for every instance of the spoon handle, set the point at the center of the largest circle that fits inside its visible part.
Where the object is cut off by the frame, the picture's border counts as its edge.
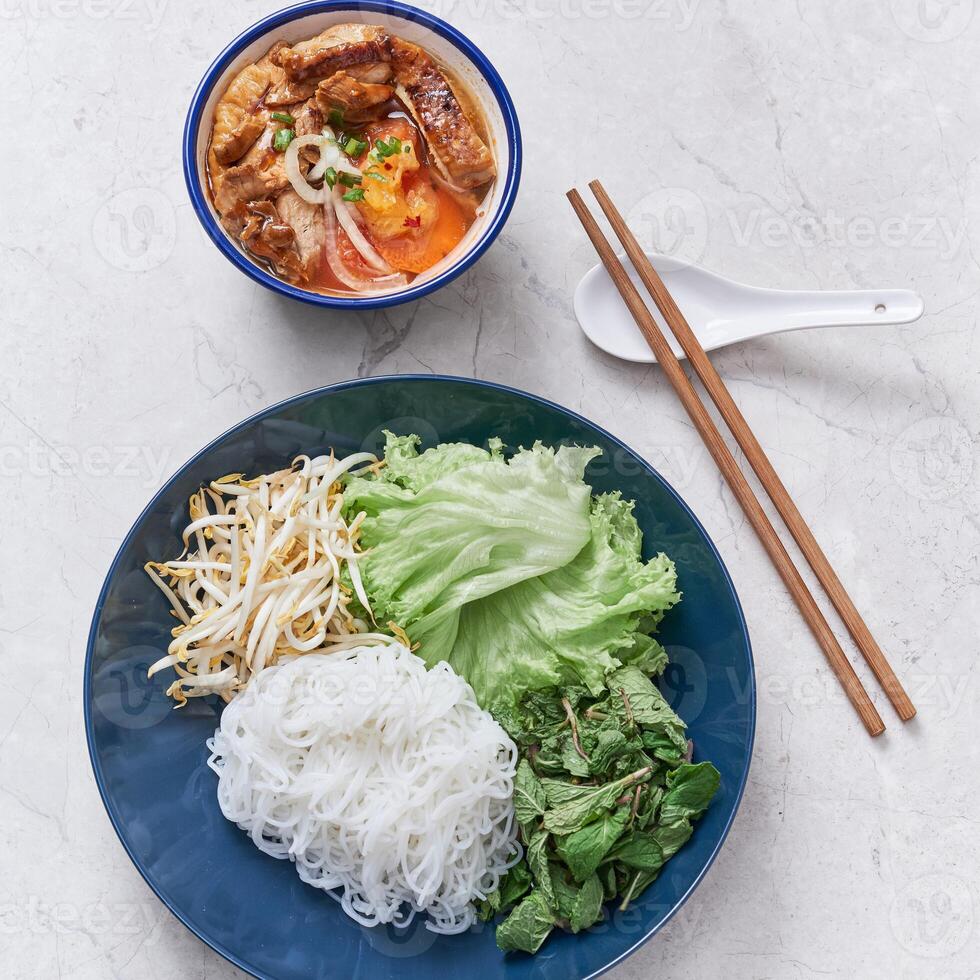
(778, 310)
(755, 312)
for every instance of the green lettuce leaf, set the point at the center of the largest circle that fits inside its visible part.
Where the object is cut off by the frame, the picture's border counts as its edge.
(457, 523)
(569, 625)
(411, 470)
(508, 568)
(644, 651)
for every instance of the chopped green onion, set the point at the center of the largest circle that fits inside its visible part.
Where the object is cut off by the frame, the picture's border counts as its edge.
(283, 117)
(354, 147)
(335, 117)
(357, 194)
(376, 176)
(349, 179)
(282, 139)
(330, 176)
(388, 148)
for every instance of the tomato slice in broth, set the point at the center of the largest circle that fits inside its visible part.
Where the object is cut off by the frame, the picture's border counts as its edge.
(418, 250)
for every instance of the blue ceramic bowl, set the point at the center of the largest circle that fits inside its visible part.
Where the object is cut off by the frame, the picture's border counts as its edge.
(149, 761)
(453, 49)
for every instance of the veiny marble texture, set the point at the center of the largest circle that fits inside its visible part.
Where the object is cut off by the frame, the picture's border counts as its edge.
(817, 144)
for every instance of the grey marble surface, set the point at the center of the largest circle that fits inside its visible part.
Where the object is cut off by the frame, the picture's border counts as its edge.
(817, 144)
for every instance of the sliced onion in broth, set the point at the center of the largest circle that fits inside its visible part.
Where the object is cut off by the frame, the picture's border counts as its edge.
(347, 219)
(330, 156)
(340, 270)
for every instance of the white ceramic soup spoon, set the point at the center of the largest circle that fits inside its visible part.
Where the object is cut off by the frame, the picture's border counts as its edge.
(723, 312)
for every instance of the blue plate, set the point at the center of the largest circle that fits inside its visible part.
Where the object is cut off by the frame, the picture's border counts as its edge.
(149, 761)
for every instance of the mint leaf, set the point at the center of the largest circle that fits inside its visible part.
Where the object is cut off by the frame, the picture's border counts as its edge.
(636, 885)
(690, 788)
(584, 850)
(537, 860)
(650, 798)
(527, 927)
(572, 761)
(609, 884)
(661, 746)
(548, 759)
(529, 798)
(565, 890)
(580, 805)
(610, 745)
(672, 836)
(587, 907)
(639, 850)
(489, 907)
(559, 792)
(544, 710)
(647, 705)
(514, 885)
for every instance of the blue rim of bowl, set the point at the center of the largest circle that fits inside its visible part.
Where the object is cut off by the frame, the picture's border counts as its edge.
(287, 403)
(391, 8)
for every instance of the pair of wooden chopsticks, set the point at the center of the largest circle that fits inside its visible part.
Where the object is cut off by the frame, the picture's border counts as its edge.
(757, 458)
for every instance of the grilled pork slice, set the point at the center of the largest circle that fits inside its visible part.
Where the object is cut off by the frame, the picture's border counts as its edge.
(286, 92)
(261, 173)
(237, 186)
(266, 235)
(308, 119)
(289, 234)
(239, 117)
(335, 49)
(243, 112)
(461, 156)
(373, 72)
(353, 98)
(309, 230)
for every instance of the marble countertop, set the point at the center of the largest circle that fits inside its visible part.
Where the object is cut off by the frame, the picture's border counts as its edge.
(812, 145)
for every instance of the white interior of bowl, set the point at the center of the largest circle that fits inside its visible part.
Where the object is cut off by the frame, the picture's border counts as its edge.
(443, 50)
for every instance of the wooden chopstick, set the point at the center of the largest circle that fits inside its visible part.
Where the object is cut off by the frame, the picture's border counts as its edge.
(758, 459)
(722, 456)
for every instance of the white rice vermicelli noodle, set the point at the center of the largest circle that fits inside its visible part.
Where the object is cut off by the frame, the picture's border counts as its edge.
(377, 777)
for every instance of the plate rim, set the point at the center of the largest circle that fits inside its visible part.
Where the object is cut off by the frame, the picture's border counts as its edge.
(309, 395)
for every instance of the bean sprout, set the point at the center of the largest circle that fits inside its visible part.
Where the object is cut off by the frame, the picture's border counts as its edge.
(261, 576)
